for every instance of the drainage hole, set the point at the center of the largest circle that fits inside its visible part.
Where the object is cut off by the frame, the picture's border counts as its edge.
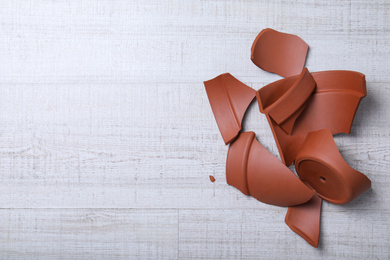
(322, 179)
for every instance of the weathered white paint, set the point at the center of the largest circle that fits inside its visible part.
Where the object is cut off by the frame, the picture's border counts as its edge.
(103, 113)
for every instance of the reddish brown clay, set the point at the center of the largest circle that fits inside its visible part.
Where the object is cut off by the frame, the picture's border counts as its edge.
(280, 53)
(229, 98)
(256, 172)
(212, 179)
(320, 164)
(285, 106)
(305, 220)
(332, 106)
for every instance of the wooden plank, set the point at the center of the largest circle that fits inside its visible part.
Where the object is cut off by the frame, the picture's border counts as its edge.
(262, 234)
(151, 42)
(88, 234)
(106, 146)
(211, 234)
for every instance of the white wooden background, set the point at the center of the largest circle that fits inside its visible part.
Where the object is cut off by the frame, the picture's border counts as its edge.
(107, 138)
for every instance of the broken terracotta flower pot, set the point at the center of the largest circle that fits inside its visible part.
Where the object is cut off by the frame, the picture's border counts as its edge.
(256, 172)
(304, 110)
(305, 220)
(320, 164)
(280, 53)
(332, 106)
(229, 98)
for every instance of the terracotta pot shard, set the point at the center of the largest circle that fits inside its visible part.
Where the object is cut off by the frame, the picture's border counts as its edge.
(305, 220)
(284, 107)
(229, 98)
(280, 53)
(256, 172)
(332, 106)
(320, 164)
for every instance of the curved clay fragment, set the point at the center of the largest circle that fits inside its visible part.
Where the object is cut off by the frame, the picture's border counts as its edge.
(229, 98)
(305, 220)
(284, 107)
(280, 53)
(332, 106)
(320, 164)
(256, 172)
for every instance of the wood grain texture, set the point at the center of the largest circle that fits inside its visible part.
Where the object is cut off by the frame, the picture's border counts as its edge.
(107, 138)
(88, 233)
